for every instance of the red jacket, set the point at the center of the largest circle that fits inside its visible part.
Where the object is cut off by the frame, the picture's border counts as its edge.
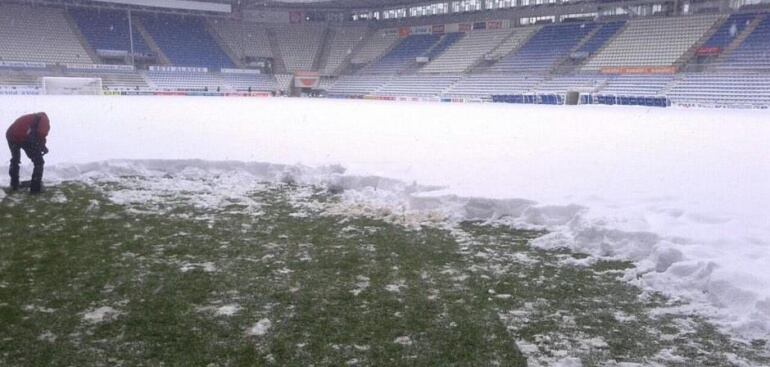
(20, 131)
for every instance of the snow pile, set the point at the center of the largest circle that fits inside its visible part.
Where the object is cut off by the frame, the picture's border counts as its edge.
(228, 310)
(101, 314)
(682, 193)
(260, 328)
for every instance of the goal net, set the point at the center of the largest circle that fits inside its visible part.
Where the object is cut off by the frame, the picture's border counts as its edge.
(76, 86)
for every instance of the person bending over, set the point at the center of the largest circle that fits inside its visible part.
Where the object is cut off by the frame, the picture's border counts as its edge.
(28, 133)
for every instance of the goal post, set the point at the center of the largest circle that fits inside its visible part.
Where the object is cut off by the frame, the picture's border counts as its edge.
(72, 86)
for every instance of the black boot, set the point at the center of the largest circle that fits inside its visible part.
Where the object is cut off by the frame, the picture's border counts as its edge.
(14, 172)
(36, 185)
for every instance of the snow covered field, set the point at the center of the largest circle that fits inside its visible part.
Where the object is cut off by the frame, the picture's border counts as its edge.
(685, 194)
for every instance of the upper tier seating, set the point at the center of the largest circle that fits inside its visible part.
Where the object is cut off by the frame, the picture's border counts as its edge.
(375, 46)
(601, 37)
(299, 45)
(637, 85)
(343, 40)
(517, 39)
(39, 34)
(467, 51)
(753, 53)
(549, 45)
(245, 39)
(108, 30)
(186, 41)
(652, 42)
(418, 85)
(358, 85)
(446, 42)
(730, 29)
(722, 89)
(485, 85)
(403, 55)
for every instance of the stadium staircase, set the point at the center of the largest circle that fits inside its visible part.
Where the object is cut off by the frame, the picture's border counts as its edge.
(76, 30)
(688, 56)
(139, 26)
(738, 41)
(382, 55)
(567, 65)
(508, 46)
(224, 46)
(345, 64)
(279, 67)
(322, 55)
(745, 34)
(593, 44)
(445, 42)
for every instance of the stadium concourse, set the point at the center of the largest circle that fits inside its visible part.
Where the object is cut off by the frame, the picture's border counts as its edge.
(706, 57)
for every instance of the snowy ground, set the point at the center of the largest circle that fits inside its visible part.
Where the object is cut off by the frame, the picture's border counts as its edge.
(681, 193)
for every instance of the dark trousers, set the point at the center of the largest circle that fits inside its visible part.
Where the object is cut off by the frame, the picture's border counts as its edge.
(35, 154)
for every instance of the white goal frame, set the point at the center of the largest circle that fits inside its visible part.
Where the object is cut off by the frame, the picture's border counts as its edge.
(72, 86)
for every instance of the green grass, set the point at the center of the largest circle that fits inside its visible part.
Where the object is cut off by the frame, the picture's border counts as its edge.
(337, 290)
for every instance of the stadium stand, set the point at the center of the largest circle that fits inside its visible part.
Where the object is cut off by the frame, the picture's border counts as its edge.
(722, 89)
(515, 41)
(40, 34)
(20, 78)
(108, 30)
(562, 84)
(382, 41)
(284, 81)
(250, 82)
(199, 81)
(403, 55)
(652, 42)
(112, 79)
(343, 41)
(601, 37)
(358, 85)
(637, 85)
(299, 45)
(446, 42)
(186, 41)
(484, 85)
(184, 81)
(529, 64)
(752, 54)
(246, 39)
(467, 51)
(549, 45)
(729, 30)
(417, 85)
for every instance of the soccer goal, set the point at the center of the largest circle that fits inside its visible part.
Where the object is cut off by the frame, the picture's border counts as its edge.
(72, 86)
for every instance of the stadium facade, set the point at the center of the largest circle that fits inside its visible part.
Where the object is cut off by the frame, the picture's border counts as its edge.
(641, 52)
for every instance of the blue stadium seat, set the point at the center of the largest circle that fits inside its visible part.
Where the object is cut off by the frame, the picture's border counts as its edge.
(549, 45)
(108, 30)
(186, 41)
(601, 37)
(404, 54)
(730, 29)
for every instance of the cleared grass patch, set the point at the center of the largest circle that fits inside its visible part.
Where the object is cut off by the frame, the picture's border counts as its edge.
(270, 279)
